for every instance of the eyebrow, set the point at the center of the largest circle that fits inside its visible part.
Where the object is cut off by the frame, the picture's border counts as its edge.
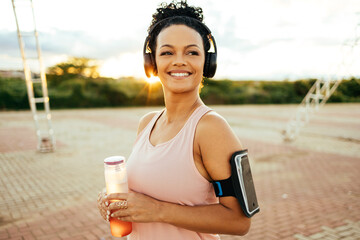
(171, 46)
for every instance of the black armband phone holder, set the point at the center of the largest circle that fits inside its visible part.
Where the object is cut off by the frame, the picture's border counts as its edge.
(240, 184)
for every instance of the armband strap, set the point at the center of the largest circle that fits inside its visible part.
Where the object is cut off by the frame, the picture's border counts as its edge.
(224, 188)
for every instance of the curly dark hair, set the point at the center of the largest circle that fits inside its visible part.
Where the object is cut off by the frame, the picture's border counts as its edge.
(179, 13)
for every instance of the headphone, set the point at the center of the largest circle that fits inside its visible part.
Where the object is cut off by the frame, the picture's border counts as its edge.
(210, 57)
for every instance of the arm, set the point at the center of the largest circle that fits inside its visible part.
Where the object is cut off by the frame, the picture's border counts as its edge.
(216, 142)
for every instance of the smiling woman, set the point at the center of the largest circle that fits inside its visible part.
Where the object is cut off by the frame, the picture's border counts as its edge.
(180, 150)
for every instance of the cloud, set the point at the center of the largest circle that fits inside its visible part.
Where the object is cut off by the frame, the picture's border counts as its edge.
(258, 39)
(73, 43)
(9, 43)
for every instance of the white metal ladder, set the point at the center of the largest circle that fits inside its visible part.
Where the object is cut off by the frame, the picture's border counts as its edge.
(320, 92)
(42, 117)
(317, 96)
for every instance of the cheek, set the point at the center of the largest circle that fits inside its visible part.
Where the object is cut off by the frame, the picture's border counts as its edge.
(200, 66)
(160, 64)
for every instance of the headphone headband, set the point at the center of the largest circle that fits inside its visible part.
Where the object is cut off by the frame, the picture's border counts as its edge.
(210, 57)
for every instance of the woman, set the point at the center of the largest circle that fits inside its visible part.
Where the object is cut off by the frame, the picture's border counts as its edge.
(180, 150)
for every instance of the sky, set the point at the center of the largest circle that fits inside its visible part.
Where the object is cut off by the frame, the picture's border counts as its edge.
(256, 40)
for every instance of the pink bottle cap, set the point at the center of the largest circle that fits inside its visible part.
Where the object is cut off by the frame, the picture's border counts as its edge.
(114, 160)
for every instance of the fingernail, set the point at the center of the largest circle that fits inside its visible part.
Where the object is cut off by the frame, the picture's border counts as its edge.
(112, 215)
(108, 212)
(107, 217)
(106, 204)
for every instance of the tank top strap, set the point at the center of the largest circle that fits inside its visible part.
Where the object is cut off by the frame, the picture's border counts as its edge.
(200, 112)
(195, 118)
(149, 126)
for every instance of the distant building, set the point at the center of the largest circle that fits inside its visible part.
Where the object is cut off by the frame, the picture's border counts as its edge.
(12, 74)
(16, 74)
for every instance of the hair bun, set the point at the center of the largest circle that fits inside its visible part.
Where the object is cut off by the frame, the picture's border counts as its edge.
(176, 9)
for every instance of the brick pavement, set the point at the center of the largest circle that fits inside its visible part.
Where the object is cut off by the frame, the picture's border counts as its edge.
(304, 192)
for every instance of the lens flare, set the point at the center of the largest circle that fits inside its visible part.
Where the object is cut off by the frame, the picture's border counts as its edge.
(152, 79)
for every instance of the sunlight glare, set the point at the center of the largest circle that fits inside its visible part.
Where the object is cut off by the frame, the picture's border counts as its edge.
(152, 79)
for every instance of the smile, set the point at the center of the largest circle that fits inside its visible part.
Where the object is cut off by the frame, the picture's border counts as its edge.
(179, 74)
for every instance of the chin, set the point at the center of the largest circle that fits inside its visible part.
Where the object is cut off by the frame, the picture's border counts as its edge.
(179, 90)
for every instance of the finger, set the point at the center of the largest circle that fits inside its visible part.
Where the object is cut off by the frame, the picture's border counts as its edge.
(117, 196)
(105, 201)
(101, 199)
(113, 206)
(102, 195)
(126, 219)
(120, 213)
(105, 204)
(122, 204)
(104, 215)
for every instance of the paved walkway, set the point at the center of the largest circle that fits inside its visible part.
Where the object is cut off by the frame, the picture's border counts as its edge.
(307, 189)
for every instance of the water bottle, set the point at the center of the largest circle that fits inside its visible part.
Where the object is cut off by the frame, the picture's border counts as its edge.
(116, 182)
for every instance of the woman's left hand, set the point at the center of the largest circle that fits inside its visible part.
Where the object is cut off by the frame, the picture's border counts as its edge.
(137, 208)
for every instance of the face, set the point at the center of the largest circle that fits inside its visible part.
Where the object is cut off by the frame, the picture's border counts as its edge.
(180, 58)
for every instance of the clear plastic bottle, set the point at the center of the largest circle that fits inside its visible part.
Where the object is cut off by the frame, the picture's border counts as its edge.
(116, 182)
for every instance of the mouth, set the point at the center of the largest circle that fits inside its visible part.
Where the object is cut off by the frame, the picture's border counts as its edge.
(179, 74)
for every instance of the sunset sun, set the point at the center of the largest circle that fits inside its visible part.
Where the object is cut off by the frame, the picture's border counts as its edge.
(152, 80)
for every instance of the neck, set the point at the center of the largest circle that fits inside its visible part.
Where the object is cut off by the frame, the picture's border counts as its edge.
(179, 106)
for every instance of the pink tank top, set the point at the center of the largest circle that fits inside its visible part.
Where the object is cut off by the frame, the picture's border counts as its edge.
(167, 172)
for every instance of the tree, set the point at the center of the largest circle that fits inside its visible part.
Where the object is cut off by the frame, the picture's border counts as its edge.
(75, 67)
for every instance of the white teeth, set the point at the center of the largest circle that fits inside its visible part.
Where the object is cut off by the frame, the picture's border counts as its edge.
(180, 74)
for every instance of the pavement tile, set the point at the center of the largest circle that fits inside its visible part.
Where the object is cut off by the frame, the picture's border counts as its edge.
(58, 190)
(28, 237)
(4, 236)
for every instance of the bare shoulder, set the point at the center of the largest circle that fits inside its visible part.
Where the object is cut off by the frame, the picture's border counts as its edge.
(214, 127)
(217, 142)
(145, 120)
(212, 118)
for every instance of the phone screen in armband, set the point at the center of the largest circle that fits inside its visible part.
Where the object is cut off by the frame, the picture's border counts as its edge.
(246, 183)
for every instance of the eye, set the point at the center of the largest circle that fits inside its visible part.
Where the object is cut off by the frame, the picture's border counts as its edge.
(165, 53)
(193, 53)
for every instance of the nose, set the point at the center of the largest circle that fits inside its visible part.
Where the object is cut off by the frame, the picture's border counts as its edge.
(179, 60)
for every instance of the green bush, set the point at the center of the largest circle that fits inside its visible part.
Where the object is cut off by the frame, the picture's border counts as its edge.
(13, 94)
(80, 91)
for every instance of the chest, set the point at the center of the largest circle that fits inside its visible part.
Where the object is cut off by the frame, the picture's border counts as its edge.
(167, 172)
(162, 133)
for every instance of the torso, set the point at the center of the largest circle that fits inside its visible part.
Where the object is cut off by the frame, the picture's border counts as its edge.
(162, 166)
(162, 133)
